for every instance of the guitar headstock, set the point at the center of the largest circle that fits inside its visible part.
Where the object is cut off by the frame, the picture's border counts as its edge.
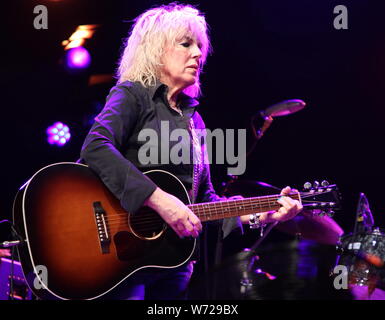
(321, 198)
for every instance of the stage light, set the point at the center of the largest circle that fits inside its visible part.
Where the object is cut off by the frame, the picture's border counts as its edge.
(78, 38)
(78, 58)
(73, 44)
(58, 134)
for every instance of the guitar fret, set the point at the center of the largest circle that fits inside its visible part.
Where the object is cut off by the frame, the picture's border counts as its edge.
(208, 211)
(231, 208)
(223, 211)
(274, 203)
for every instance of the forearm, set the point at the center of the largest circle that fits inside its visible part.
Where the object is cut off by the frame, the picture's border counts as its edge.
(120, 176)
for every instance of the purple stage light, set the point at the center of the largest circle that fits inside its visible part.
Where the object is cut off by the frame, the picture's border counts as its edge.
(78, 58)
(58, 134)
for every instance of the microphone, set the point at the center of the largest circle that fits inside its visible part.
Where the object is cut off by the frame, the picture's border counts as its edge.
(7, 244)
(283, 108)
(277, 110)
(364, 218)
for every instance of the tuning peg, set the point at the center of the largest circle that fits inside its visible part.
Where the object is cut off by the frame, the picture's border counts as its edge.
(315, 184)
(325, 183)
(307, 186)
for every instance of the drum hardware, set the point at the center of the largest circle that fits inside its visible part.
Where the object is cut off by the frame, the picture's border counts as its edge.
(363, 252)
(250, 273)
(18, 289)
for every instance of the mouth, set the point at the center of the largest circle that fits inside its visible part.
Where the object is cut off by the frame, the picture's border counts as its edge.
(194, 66)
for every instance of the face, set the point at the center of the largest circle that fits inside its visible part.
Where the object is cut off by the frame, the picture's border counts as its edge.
(181, 63)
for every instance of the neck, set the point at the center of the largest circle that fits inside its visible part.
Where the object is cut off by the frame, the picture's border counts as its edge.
(235, 208)
(172, 96)
(173, 91)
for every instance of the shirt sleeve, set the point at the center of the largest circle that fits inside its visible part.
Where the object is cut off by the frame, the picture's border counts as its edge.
(206, 189)
(101, 150)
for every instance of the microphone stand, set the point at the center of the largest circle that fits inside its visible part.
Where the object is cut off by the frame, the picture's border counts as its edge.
(11, 244)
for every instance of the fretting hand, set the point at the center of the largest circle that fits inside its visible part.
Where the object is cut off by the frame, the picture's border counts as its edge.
(290, 208)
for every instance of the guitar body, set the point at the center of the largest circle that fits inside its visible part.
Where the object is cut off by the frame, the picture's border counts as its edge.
(77, 230)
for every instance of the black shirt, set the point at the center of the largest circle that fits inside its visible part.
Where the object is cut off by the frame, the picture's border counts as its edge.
(111, 147)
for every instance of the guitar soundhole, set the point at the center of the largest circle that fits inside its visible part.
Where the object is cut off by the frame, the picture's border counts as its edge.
(147, 224)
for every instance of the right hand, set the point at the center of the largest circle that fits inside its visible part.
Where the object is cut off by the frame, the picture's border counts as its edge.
(176, 214)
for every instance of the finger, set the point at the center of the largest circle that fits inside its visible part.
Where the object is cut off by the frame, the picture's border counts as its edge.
(188, 227)
(195, 233)
(299, 206)
(185, 228)
(194, 220)
(285, 191)
(191, 229)
(286, 202)
(281, 214)
(179, 229)
(194, 228)
(179, 226)
(291, 204)
(289, 209)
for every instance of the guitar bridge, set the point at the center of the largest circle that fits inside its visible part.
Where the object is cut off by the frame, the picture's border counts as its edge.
(102, 227)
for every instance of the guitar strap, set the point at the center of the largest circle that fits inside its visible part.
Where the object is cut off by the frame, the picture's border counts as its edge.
(196, 150)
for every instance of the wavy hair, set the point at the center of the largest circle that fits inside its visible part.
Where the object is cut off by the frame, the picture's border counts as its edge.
(152, 30)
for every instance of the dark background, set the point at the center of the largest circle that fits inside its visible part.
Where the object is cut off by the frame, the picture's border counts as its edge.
(264, 52)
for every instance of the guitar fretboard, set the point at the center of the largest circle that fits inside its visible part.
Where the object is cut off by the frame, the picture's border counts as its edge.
(234, 208)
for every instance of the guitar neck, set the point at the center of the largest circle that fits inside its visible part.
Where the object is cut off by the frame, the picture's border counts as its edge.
(235, 208)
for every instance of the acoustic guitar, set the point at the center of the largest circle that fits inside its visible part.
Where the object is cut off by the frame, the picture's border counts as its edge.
(79, 243)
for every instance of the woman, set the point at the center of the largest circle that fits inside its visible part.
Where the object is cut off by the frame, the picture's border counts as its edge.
(158, 81)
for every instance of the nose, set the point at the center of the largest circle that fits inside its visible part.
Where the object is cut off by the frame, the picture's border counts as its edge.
(196, 52)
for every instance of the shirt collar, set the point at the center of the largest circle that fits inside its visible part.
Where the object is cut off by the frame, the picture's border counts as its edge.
(186, 101)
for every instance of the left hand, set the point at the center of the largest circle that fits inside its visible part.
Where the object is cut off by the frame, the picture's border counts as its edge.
(290, 208)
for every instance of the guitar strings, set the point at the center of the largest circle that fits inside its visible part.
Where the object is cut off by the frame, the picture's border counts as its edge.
(207, 210)
(150, 221)
(152, 217)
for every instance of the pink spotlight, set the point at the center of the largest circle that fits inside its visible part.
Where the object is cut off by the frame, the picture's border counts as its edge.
(58, 134)
(78, 58)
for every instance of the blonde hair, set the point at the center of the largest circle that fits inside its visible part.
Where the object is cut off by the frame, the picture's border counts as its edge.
(152, 30)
